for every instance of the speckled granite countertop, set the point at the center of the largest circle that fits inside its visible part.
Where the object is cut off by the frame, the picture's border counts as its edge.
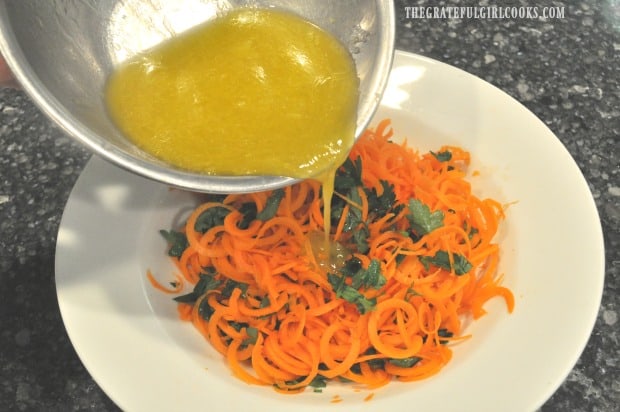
(564, 70)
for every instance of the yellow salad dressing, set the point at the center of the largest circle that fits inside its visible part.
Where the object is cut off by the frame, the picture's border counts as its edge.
(254, 92)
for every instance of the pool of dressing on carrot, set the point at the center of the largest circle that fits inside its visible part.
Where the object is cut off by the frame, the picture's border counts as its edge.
(253, 92)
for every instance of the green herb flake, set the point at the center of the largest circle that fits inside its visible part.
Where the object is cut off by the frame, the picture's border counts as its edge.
(442, 260)
(411, 292)
(444, 333)
(271, 206)
(230, 286)
(248, 210)
(370, 277)
(382, 204)
(472, 232)
(365, 305)
(252, 333)
(177, 242)
(376, 364)
(353, 221)
(360, 237)
(349, 175)
(318, 383)
(421, 219)
(405, 362)
(351, 266)
(212, 217)
(443, 156)
(205, 310)
(264, 303)
(351, 294)
(206, 282)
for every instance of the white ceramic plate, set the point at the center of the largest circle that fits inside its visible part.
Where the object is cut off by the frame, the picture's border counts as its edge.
(128, 336)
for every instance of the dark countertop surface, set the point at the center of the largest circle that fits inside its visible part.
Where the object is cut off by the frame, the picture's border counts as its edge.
(564, 70)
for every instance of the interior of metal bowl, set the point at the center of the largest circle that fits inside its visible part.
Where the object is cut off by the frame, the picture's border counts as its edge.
(62, 51)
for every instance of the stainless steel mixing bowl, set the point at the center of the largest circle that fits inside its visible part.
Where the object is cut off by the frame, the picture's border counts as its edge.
(61, 51)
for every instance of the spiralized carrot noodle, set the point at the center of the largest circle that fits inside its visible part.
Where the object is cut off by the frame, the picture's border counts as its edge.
(412, 257)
